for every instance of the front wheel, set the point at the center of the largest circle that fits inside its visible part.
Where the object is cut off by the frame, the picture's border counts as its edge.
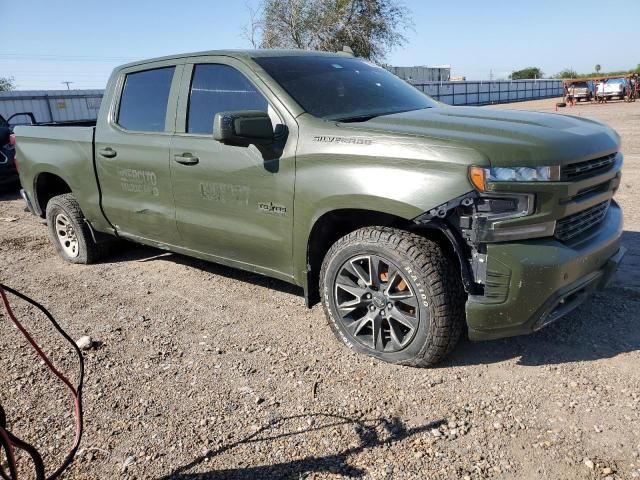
(394, 295)
(69, 232)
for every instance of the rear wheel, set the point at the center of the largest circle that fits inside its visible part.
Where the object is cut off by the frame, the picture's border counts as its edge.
(394, 295)
(69, 232)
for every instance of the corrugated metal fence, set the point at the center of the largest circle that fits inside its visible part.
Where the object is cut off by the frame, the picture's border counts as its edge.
(52, 105)
(73, 105)
(489, 92)
(415, 75)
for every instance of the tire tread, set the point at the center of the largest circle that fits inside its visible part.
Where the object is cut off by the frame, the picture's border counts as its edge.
(93, 251)
(435, 270)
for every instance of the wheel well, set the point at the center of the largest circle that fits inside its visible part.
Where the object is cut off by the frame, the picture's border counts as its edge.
(338, 223)
(48, 186)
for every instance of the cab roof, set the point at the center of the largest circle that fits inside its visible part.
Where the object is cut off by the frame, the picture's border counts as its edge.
(245, 54)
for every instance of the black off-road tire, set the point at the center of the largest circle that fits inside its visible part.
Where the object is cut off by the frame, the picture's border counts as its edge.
(88, 251)
(430, 273)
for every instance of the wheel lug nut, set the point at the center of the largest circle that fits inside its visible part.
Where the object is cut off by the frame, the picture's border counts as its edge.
(389, 305)
(368, 295)
(372, 308)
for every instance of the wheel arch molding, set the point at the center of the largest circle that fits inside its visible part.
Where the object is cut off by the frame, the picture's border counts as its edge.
(334, 224)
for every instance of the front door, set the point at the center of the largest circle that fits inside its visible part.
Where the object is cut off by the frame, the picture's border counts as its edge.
(133, 153)
(233, 203)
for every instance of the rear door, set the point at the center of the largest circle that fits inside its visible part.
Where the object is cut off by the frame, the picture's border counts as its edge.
(235, 203)
(132, 152)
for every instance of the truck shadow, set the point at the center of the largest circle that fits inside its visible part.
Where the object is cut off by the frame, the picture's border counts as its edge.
(603, 327)
(369, 433)
(139, 253)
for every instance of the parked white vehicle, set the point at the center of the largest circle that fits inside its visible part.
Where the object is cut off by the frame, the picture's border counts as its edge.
(612, 87)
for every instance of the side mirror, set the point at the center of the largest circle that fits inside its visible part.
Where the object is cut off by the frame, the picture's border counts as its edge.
(243, 128)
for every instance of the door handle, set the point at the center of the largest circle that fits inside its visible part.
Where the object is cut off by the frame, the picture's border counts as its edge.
(107, 152)
(186, 159)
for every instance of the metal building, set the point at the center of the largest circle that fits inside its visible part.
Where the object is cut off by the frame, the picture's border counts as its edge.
(422, 74)
(52, 105)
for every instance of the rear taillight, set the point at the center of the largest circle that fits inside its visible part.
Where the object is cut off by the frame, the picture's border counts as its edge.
(12, 142)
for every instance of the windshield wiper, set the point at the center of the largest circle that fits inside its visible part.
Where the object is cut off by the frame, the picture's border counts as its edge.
(365, 118)
(359, 118)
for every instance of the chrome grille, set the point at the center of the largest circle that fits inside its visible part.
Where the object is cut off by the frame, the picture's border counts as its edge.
(573, 225)
(588, 167)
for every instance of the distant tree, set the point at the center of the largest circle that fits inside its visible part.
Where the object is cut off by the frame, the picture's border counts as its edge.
(6, 84)
(567, 73)
(527, 73)
(637, 70)
(371, 28)
(598, 68)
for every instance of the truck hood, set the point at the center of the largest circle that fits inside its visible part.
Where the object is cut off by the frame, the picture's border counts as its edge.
(505, 137)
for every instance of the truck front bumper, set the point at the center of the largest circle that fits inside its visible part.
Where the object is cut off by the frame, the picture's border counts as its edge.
(533, 283)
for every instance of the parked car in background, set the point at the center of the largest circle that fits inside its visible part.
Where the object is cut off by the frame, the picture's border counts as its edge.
(8, 171)
(581, 90)
(613, 88)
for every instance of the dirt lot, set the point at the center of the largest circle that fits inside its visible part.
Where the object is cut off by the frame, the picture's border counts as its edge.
(200, 371)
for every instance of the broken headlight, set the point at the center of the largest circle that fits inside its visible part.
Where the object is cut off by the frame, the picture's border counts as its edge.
(486, 221)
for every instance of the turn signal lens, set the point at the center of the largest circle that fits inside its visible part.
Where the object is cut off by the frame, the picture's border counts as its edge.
(477, 178)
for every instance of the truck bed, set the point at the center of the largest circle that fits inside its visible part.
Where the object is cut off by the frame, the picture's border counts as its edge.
(70, 123)
(64, 150)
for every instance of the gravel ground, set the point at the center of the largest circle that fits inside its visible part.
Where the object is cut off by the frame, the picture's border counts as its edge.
(200, 371)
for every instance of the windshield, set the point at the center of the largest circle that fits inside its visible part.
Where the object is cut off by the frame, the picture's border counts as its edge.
(343, 88)
(616, 81)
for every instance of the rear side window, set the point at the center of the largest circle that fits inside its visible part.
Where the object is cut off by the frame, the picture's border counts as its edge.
(143, 105)
(219, 88)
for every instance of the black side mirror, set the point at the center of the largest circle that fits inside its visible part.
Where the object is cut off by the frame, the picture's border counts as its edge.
(243, 128)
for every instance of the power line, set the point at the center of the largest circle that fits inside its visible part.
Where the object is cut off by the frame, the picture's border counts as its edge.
(18, 56)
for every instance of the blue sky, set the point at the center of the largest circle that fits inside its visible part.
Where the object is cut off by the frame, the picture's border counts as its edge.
(46, 42)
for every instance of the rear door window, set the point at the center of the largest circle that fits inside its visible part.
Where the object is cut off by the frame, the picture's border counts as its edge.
(143, 104)
(219, 88)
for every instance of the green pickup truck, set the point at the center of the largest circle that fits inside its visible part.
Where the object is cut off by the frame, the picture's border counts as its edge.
(408, 219)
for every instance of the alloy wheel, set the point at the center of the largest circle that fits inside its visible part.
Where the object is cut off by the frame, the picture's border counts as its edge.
(376, 303)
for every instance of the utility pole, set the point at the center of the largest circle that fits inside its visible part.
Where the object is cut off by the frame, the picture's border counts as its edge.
(67, 84)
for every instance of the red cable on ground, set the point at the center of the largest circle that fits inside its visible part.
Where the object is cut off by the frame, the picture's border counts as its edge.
(9, 441)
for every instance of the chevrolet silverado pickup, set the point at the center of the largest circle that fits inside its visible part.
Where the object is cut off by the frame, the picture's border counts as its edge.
(411, 221)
